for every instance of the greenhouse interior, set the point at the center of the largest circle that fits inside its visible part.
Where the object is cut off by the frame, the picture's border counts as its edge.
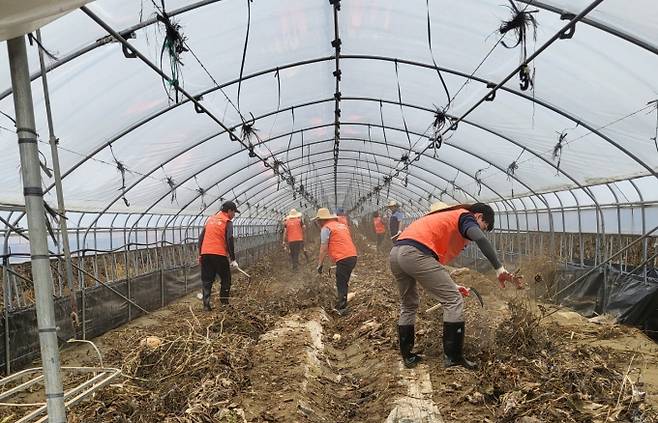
(329, 211)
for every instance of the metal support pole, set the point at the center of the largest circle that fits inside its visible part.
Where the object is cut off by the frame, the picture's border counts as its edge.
(61, 210)
(33, 193)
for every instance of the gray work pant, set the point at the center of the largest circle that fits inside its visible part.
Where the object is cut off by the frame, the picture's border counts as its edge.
(409, 265)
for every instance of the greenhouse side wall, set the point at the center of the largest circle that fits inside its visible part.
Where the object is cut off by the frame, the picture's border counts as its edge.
(103, 306)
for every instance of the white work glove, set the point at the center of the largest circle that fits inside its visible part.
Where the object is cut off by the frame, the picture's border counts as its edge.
(394, 237)
(234, 264)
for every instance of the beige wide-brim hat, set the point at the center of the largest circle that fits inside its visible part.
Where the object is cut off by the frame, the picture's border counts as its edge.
(439, 205)
(392, 203)
(324, 214)
(293, 214)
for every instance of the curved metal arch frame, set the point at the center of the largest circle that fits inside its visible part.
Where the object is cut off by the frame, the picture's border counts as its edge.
(521, 182)
(399, 147)
(147, 22)
(636, 188)
(502, 198)
(316, 142)
(269, 186)
(196, 197)
(284, 135)
(212, 136)
(285, 202)
(438, 176)
(395, 189)
(587, 190)
(200, 213)
(542, 103)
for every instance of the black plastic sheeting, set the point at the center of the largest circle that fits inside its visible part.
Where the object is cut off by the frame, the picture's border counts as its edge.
(103, 310)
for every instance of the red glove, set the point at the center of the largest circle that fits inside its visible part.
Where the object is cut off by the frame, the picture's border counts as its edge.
(199, 259)
(464, 291)
(505, 276)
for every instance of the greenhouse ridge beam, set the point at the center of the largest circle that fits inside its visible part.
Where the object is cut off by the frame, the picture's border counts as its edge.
(336, 43)
(198, 106)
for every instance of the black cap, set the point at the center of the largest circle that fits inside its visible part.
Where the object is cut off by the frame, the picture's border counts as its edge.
(230, 205)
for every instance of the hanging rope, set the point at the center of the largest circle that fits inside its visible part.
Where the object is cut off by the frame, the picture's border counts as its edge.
(478, 180)
(512, 167)
(174, 46)
(202, 193)
(244, 51)
(521, 22)
(172, 185)
(655, 108)
(381, 118)
(43, 163)
(278, 100)
(404, 121)
(292, 131)
(33, 40)
(518, 27)
(438, 124)
(122, 170)
(557, 149)
(247, 132)
(436, 67)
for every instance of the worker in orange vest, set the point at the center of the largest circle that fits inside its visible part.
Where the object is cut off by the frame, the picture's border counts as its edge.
(336, 241)
(419, 256)
(217, 248)
(293, 236)
(342, 217)
(380, 228)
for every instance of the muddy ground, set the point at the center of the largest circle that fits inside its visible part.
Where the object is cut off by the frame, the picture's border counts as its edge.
(279, 353)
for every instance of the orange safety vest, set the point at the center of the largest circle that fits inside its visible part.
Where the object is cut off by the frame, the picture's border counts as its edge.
(340, 241)
(214, 238)
(440, 233)
(343, 220)
(379, 225)
(294, 231)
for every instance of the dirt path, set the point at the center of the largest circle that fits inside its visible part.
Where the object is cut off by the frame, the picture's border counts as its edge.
(279, 354)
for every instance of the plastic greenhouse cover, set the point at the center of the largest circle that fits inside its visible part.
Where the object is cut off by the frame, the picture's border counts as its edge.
(594, 90)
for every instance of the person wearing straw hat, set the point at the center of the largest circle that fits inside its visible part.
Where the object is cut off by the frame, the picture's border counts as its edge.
(217, 246)
(342, 217)
(336, 242)
(419, 256)
(293, 236)
(395, 225)
(379, 227)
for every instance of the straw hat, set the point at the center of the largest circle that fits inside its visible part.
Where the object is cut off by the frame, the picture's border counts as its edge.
(439, 205)
(392, 203)
(293, 214)
(324, 214)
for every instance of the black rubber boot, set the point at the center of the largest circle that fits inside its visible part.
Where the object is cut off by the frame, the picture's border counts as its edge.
(407, 334)
(453, 345)
(341, 306)
(207, 289)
